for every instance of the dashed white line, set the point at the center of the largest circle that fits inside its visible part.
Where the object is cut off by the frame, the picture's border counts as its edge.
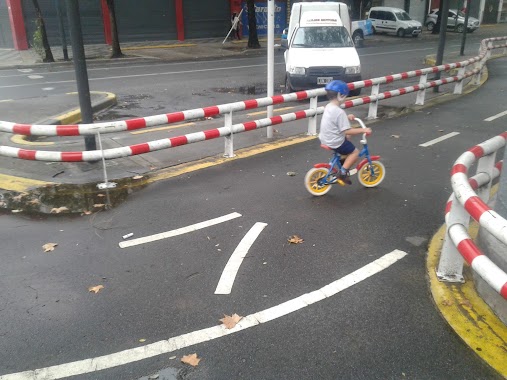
(231, 268)
(497, 116)
(172, 344)
(35, 76)
(179, 231)
(441, 138)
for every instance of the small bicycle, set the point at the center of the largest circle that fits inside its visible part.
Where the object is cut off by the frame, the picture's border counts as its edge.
(370, 171)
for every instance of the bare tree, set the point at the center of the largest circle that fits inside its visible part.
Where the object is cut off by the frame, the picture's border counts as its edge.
(116, 50)
(253, 39)
(41, 28)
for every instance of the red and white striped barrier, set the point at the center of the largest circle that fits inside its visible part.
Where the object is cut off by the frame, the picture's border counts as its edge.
(465, 203)
(151, 146)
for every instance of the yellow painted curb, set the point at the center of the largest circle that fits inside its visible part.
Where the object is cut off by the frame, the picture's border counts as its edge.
(158, 47)
(22, 140)
(240, 153)
(20, 184)
(466, 312)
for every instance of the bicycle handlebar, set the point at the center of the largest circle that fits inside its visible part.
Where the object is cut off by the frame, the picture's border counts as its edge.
(361, 123)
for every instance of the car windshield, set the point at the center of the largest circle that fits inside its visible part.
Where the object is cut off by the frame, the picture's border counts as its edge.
(322, 37)
(403, 16)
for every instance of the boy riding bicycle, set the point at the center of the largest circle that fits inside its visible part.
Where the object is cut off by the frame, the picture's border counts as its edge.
(335, 128)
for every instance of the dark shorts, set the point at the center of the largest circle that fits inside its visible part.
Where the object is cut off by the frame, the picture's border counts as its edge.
(346, 148)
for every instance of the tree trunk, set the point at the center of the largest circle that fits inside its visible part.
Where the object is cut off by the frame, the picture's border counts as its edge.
(48, 55)
(116, 50)
(253, 40)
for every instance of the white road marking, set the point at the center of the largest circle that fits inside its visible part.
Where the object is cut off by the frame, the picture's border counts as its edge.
(182, 341)
(437, 140)
(25, 70)
(35, 76)
(179, 231)
(47, 88)
(498, 115)
(231, 268)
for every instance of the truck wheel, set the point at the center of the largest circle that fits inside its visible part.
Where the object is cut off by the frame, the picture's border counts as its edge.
(430, 25)
(358, 38)
(288, 88)
(401, 32)
(460, 28)
(373, 30)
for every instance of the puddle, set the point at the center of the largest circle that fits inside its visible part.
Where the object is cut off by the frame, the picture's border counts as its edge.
(67, 199)
(245, 90)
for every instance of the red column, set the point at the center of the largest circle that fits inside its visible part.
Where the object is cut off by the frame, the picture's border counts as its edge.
(107, 22)
(180, 24)
(17, 24)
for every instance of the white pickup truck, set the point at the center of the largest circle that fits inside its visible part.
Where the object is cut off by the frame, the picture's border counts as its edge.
(319, 45)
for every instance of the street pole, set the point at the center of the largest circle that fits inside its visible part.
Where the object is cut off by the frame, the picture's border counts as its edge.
(271, 52)
(83, 88)
(58, 5)
(501, 198)
(466, 5)
(441, 38)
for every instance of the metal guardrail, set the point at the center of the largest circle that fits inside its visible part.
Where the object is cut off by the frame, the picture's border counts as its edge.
(229, 129)
(464, 204)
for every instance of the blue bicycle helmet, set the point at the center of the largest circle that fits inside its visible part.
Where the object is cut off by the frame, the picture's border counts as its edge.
(338, 86)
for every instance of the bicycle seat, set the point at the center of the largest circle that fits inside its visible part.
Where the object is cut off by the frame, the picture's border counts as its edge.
(325, 147)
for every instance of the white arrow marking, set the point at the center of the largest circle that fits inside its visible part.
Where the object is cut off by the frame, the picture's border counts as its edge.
(231, 268)
(172, 344)
(179, 231)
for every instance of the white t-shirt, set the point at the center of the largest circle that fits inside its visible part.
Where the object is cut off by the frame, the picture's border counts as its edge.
(333, 124)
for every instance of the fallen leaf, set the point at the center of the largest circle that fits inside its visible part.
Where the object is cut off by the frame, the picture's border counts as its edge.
(17, 198)
(16, 211)
(98, 205)
(86, 212)
(101, 195)
(447, 303)
(465, 303)
(137, 177)
(58, 210)
(292, 174)
(172, 357)
(294, 239)
(396, 136)
(193, 360)
(230, 321)
(95, 289)
(48, 247)
(142, 340)
(440, 130)
(34, 202)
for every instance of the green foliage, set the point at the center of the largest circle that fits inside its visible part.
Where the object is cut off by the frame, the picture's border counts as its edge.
(37, 44)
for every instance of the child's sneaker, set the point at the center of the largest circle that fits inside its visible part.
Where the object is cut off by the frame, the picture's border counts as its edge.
(344, 178)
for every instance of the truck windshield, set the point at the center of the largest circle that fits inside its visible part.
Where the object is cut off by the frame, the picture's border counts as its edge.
(322, 37)
(403, 16)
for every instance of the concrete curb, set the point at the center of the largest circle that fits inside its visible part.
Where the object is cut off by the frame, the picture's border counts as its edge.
(465, 311)
(108, 99)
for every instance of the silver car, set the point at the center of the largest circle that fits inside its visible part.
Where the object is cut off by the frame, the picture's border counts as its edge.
(455, 21)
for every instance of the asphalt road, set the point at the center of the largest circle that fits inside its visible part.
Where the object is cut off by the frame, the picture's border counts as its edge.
(384, 326)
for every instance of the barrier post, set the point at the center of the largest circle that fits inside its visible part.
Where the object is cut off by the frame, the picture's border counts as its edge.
(488, 51)
(106, 184)
(486, 165)
(421, 94)
(312, 121)
(229, 140)
(372, 110)
(450, 265)
(458, 88)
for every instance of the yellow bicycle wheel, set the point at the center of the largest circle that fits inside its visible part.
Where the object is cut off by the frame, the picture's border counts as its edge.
(369, 179)
(312, 181)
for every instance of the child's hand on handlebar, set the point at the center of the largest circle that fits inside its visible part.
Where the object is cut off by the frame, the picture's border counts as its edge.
(351, 117)
(368, 131)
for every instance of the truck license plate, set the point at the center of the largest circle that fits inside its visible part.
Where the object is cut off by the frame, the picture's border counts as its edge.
(324, 80)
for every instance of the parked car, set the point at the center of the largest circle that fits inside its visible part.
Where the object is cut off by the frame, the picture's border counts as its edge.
(455, 21)
(393, 20)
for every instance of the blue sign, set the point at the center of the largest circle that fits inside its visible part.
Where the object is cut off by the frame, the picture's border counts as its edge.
(261, 16)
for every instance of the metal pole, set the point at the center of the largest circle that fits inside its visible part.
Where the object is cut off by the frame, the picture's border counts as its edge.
(466, 5)
(271, 52)
(83, 87)
(501, 200)
(58, 5)
(441, 39)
